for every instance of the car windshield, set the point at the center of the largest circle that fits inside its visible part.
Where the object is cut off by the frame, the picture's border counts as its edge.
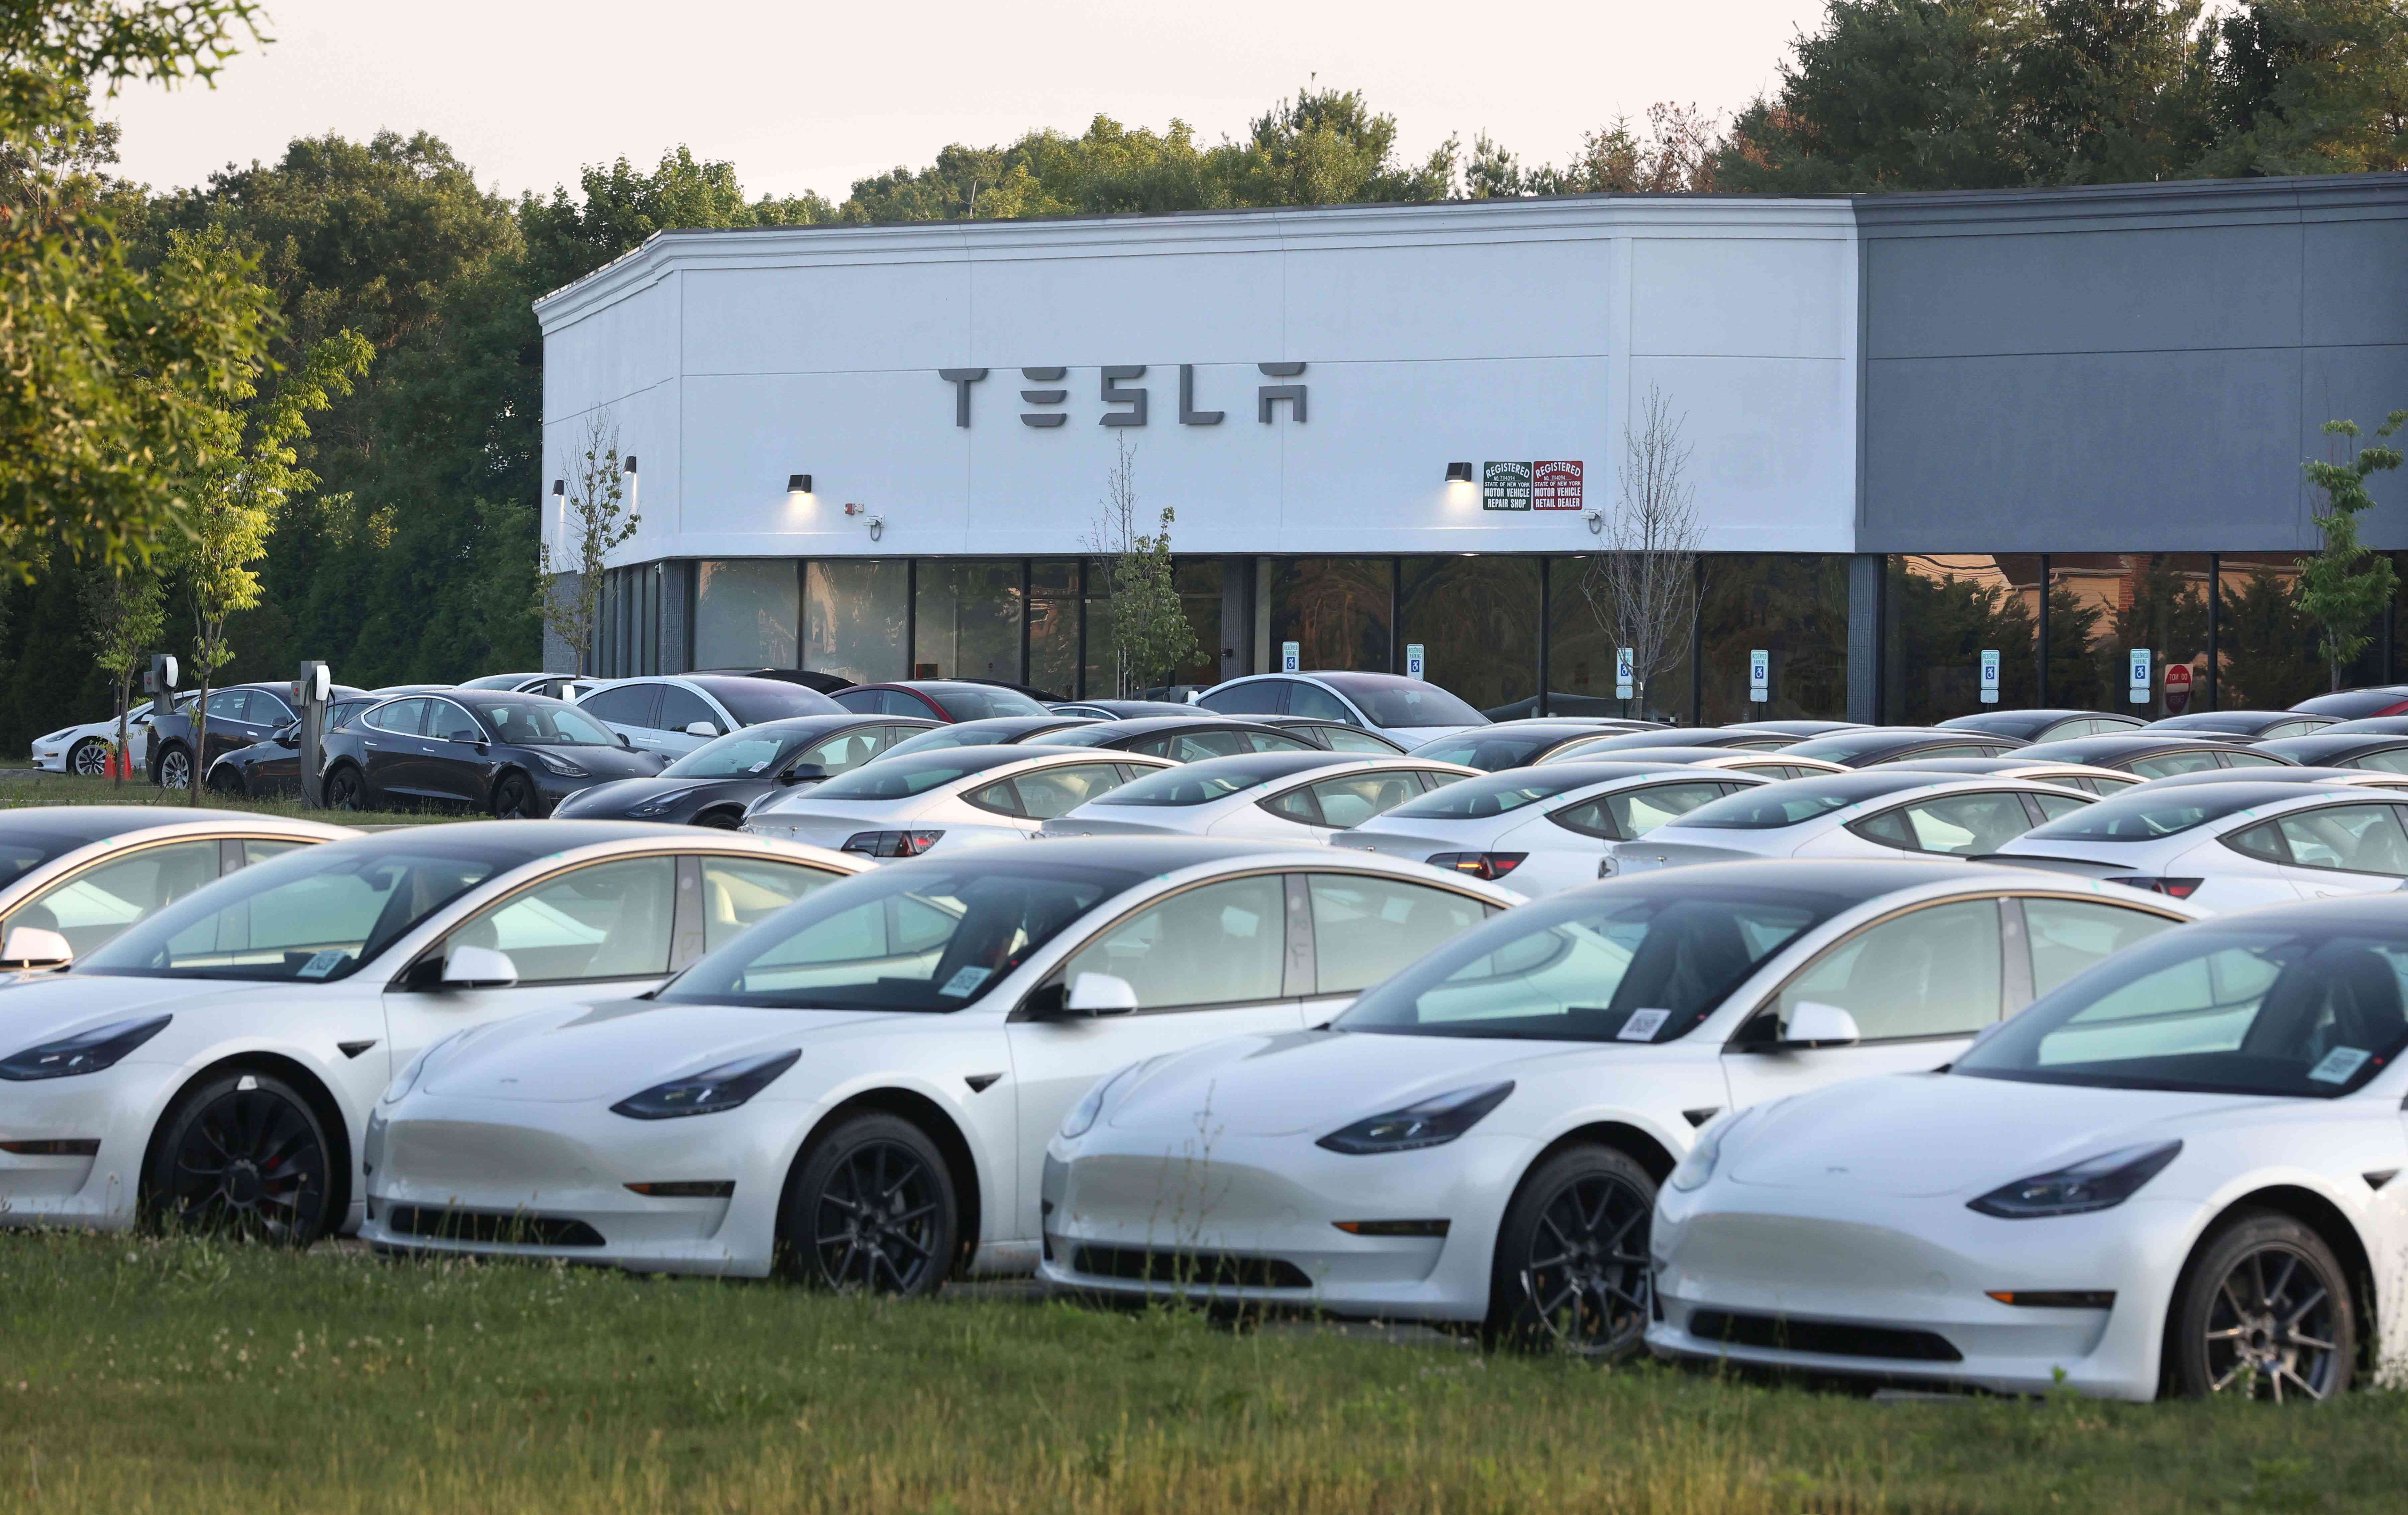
(906, 937)
(753, 701)
(2144, 817)
(543, 723)
(1472, 799)
(977, 702)
(1389, 700)
(316, 915)
(1618, 965)
(1799, 800)
(893, 779)
(24, 848)
(2300, 1010)
(751, 753)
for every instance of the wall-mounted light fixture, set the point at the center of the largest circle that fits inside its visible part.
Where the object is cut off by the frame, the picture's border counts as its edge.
(627, 465)
(559, 488)
(799, 484)
(1458, 473)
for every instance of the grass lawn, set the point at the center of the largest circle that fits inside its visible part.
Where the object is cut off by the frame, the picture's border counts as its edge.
(137, 1374)
(20, 789)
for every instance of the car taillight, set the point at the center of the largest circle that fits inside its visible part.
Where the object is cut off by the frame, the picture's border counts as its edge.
(891, 843)
(2178, 888)
(1479, 865)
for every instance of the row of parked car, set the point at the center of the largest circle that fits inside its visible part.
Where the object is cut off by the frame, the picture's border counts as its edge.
(1264, 1023)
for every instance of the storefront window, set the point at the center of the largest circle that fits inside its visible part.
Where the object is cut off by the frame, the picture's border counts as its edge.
(854, 612)
(1945, 610)
(1794, 607)
(1581, 645)
(747, 613)
(1053, 625)
(966, 624)
(1477, 620)
(1335, 609)
(1199, 596)
(2104, 605)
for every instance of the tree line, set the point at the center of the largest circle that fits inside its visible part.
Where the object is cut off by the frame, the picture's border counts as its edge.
(299, 405)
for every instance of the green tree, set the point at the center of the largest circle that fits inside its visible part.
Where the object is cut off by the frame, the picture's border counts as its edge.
(595, 520)
(126, 610)
(2347, 583)
(2270, 648)
(1148, 633)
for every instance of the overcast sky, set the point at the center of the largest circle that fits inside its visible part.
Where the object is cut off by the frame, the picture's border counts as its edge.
(814, 96)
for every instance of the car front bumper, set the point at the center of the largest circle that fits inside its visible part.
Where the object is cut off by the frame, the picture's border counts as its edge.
(114, 1107)
(1900, 1288)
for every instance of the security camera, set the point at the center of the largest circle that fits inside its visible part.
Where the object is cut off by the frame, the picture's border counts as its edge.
(1595, 520)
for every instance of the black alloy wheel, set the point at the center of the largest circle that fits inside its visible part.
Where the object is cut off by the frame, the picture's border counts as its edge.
(175, 767)
(1571, 1271)
(2264, 1313)
(346, 790)
(225, 779)
(89, 758)
(871, 1209)
(514, 798)
(242, 1155)
(720, 819)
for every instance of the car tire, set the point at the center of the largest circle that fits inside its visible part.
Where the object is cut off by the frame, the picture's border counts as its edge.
(347, 788)
(720, 819)
(2264, 1307)
(871, 1208)
(175, 766)
(225, 779)
(514, 798)
(242, 1154)
(1571, 1273)
(88, 759)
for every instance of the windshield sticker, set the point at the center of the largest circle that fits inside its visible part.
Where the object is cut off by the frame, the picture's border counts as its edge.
(1643, 1025)
(323, 964)
(2339, 1064)
(965, 982)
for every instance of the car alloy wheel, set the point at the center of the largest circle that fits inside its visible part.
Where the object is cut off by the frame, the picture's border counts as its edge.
(344, 791)
(89, 758)
(871, 1209)
(242, 1154)
(514, 798)
(1571, 1273)
(720, 819)
(225, 779)
(175, 769)
(2264, 1313)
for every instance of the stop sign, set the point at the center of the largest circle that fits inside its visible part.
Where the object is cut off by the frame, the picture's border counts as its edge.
(2177, 687)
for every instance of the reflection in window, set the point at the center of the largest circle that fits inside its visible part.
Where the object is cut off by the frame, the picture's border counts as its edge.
(1581, 647)
(1335, 609)
(1477, 620)
(746, 614)
(853, 618)
(968, 621)
(1945, 610)
(1794, 606)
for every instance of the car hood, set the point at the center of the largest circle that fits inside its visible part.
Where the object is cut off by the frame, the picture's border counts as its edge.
(1308, 1082)
(621, 795)
(609, 762)
(44, 1008)
(1927, 1134)
(611, 1049)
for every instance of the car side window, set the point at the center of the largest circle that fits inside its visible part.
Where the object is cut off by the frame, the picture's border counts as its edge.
(259, 848)
(1215, 944)
(1635, 812)
(1351, 801)
(2263, 841)
(2057, 806)
(998, 796)
(737, 893)
(2166, 766)
(267, 710)
(1296, 804)
(1957, 825)
(2347, 838)
(2291, 728)
(603, 921)
(1318, 702)
(628, 705)
(1262, 696)
(93, 906)
(2068, 935)
(1364, 929)
(859, 701)
(903, 702)
(2243, 758)
(2394, 761)
(1190, 747)
(451, 723)
(1054, 792)
(1932, 972)
(1356, 741)
(399, 717)
(1264, 741)
(229, 705)
(850, 749)
(681, 708)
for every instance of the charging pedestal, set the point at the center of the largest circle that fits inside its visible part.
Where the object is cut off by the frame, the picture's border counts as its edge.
(312, 691)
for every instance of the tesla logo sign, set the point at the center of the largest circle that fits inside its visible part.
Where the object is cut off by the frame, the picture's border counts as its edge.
(1126, 404)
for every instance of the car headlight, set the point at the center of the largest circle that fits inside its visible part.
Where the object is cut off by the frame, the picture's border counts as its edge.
(662, 805)
(55, 737)
(707, 1092)
(87, 1051)
(558, 764)
(1431, 1123)
(1699, 1165)
(2095, 1184)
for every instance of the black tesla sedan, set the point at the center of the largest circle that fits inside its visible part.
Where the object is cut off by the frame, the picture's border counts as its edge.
(240, 714)
(273, 767)
(514, 755)
(711, 785)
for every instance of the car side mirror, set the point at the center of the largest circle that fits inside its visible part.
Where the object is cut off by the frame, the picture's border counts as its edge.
(479, 968)
(1101, 994)
(288, 737)
(803, 773)
(624, 742)
(31, 946)
(1813, 1024)
(702, 728)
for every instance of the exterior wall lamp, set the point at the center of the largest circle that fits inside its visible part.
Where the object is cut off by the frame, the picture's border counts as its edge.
(799, 484)
(1458, 473)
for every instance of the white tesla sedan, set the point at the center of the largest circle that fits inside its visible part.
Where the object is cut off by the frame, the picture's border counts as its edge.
(1879, 812)
(955, 799)
(84, 750)
(2231, 846)
(860, 1090)
(1546, 827)
(216, 1062)
(1299, 799)
(2174, 1173)
(1481, 1137)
